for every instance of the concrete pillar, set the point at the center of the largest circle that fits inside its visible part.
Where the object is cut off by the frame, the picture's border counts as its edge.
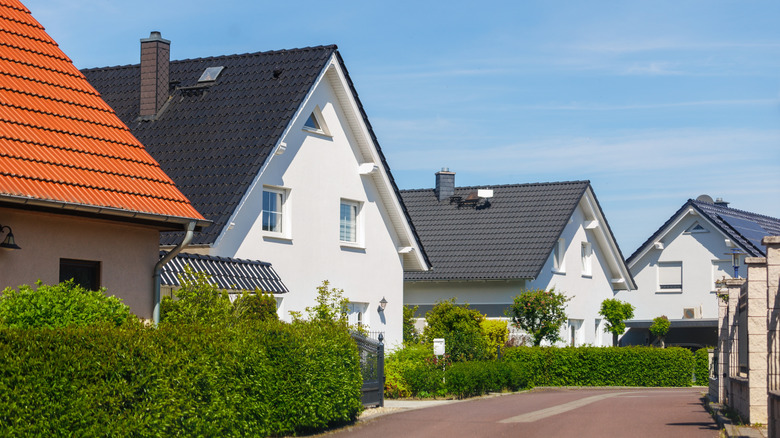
(757, 339)
(721, 373)
(733, 286)
(773, 311)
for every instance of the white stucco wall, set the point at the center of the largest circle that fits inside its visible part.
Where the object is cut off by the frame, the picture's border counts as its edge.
(127, 253)
(586, 292)
(699, 253)
(317, 172)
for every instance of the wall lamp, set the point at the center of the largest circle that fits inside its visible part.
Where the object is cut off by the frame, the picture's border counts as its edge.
(382, 304)
(9, 242)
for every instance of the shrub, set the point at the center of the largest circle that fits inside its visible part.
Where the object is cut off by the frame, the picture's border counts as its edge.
(400, 364)
(496, 335)
(410, 333)
(460, 328)
(60, 305)
(331, 306)
(256, 306)
(197, 301)
(702, 371)
(616, 312)
(263, 379)
(540, 313)
(598, 366)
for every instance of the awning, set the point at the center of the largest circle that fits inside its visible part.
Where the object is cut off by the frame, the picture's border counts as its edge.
(674, 323)
(227, 273)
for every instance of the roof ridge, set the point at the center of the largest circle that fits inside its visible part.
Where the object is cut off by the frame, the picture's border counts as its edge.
(70, 102)
(135, 145)
(48, 55)
(121, 127)
(508, 185)
(87, 92)
(727, 209)
(80, 151)
(190, 255)
(92, 187)
(88, 169)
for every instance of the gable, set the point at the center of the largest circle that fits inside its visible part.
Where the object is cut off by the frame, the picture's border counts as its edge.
(61, 146)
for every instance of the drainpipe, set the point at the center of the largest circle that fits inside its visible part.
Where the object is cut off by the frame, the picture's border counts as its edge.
(158, 268)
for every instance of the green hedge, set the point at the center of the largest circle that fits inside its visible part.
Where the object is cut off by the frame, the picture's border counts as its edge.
(595, 366)
(253, 380)
(702, 367)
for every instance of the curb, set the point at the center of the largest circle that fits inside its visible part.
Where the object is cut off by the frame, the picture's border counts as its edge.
(730, 429)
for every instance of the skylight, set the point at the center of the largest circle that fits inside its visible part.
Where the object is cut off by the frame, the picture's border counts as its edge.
(210, 74)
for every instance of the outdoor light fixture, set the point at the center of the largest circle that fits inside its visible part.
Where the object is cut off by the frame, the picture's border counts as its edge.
(735, 253)
(382, 304)
(9, 242)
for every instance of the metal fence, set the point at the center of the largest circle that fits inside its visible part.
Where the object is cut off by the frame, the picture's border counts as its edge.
(372, 368)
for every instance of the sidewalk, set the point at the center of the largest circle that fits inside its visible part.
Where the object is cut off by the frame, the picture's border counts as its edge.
(732, 430)
(397, 405)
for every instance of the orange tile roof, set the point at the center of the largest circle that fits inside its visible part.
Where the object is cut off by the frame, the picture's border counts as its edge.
(59, 141)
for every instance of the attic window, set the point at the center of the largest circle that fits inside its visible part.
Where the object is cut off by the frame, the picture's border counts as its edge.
(697, 228)
(316, 123)
(210, 74)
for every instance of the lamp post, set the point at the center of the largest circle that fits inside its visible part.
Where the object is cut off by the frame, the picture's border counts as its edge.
(735, 253)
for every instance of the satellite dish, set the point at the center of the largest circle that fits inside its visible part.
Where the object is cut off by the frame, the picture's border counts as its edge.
(705, 198)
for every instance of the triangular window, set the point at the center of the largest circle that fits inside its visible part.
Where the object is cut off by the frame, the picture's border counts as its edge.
(697, 228)
(316, 123)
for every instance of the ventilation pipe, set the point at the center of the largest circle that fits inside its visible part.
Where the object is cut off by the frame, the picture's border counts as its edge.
(167, 258)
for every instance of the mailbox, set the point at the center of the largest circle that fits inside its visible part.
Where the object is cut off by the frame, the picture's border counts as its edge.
(438, 347)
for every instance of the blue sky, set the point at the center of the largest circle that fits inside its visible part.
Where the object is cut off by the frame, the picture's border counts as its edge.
(653, 102)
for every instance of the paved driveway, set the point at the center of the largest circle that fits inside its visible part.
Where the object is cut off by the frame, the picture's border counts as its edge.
(560, 412)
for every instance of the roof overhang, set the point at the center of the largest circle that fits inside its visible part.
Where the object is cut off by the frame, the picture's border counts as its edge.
(674, 323)
(161, 222)
(595, 222)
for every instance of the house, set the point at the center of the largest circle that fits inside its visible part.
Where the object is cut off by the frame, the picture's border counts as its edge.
(80, 197)
(677, 268)
(489, 243)
(276, 150)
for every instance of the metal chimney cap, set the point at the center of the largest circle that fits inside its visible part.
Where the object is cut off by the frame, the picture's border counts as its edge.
(155, 36)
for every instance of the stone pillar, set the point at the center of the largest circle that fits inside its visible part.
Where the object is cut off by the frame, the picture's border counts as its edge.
(734, 286)
(773, 311)
(722, 372)
(757, 339)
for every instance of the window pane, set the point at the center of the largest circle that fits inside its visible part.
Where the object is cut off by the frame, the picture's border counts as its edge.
(272, 211)
(348, 222)
(670, 275)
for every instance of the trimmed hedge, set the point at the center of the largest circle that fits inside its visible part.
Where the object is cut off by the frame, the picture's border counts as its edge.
(702, 367)
(598, 366)
(254, 380)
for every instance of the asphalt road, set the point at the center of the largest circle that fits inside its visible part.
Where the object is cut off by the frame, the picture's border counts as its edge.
(559, 412)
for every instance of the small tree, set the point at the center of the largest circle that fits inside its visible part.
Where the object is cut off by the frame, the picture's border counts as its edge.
(496, 335)
(616, 313)
(411, 336)
(660, 328)
(331, 306)
(197, 301)
(540, 313)
(460, 327)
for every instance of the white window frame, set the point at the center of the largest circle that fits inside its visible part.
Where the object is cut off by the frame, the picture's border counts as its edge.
(357, 222)
(599, 333)
(559, 256)
(587, 259)
(666, 286)
(284, 211)
(316, 114)
(575, 334)
(357, 314)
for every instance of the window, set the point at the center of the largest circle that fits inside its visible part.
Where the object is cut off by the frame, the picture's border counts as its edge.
(670, 276)
(587, 263)
(597, 336)
(316, 123)
(575, 332)
(85, 273)
(348, 221)
(558, 252)
(696, 228)
(356, 314)
(273, 216)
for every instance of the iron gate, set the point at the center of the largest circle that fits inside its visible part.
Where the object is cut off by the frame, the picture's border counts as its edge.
(372, 368)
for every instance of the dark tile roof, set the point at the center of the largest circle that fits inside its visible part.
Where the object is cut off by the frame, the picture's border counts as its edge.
(213, 140)
(227, 273)
(509, 237)
(744, 228)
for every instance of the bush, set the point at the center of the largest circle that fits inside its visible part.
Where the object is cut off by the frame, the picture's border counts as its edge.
(702, 371)
(598, 366)
(414, 371)
(540, 313)
(264, 379)
(60, 305)
(460, 328)
(256, 306)
(411, 336)
(197, 301)
(496, 335)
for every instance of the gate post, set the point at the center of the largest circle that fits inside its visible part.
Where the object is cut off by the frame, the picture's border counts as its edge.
(380, 359)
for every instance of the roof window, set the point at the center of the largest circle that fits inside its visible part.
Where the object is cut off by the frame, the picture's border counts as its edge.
(210, 74)
(696, 228)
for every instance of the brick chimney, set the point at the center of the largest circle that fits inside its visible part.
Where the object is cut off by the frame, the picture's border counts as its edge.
(445, 184)
(155, 61)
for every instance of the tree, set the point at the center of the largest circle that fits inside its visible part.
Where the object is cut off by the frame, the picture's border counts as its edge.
(616, 313)
(331, 306)
(460, 328)
(540, 313)
(411, 336)
(660, 328)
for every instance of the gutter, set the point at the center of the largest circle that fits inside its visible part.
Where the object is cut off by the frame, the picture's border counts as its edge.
(190, 227)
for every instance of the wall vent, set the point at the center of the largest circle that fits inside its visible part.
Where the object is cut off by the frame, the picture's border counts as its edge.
(691, 313)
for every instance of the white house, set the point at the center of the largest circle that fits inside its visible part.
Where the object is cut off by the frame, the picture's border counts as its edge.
(676, 269)
(489, 243)
(276, 149)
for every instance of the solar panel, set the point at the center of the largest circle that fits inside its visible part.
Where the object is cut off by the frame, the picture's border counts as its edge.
(748, 229)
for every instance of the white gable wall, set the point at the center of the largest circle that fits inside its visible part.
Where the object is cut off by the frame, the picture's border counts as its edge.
(700, 253)
(316, 172)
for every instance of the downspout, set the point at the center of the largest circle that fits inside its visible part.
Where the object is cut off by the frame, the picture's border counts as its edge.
(158, 268)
